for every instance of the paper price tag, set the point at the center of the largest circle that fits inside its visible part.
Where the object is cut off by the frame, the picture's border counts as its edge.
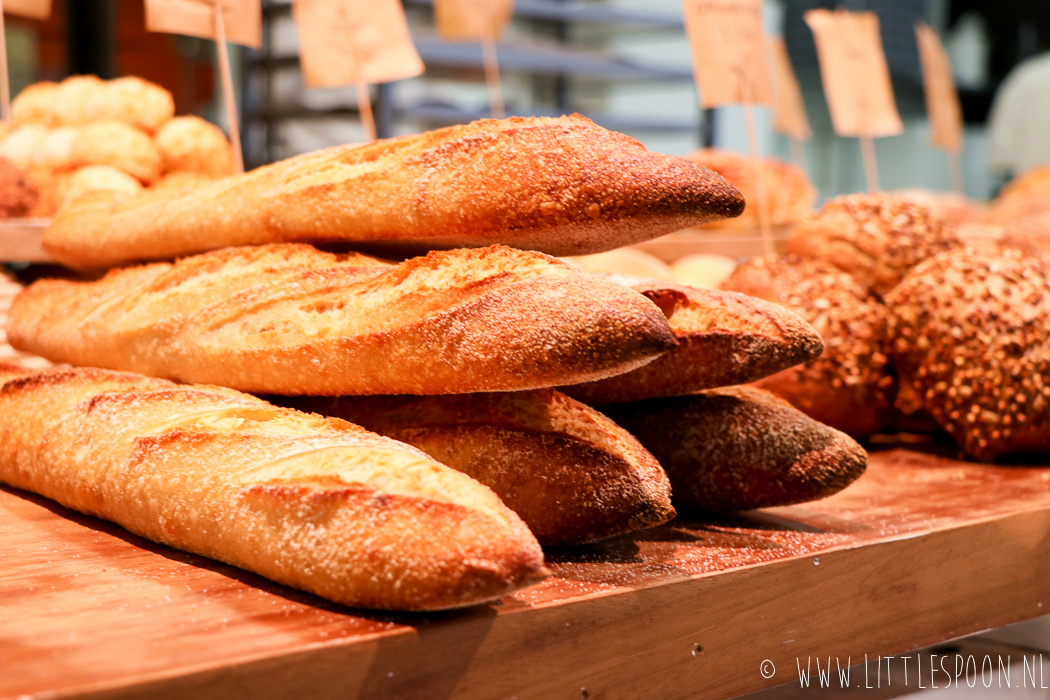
(789, 109)
(343, 42)
(854, 72)
(33, 9)
(942, 99)
(472, 20)
(729, 54)
(242, 18)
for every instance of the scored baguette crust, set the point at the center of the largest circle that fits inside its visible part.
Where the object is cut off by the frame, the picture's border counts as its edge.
(314, 503)
(738, 448)
(572, 474)
(724, 338)
(288, 319)
(562, 186)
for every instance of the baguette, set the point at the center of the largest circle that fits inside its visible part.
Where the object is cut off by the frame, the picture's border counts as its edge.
(739, 448)
(724, 338)
(562, 186)
(315, 503)
(572, 474)
(288, 319)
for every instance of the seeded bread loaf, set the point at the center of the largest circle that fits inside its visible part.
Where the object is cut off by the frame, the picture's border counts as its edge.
(572, 474)
(724, 338)
(315, 503)
(739, 448)
(971, 347)
(289, 319)
(873, 237)
(850, 386)
(562, 186)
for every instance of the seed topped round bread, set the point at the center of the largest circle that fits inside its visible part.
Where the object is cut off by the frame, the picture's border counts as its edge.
(849, 387)
(970, 342)
(874, 237)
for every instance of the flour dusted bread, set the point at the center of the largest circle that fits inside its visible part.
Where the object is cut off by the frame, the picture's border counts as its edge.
(739, 448)
(289, 319)
(724, 338)
(562, 186)
(572, 474)
(314, 503)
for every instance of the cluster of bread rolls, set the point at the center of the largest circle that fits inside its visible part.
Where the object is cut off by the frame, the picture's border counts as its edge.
(464, 359)
(926, 326)
(120, 136)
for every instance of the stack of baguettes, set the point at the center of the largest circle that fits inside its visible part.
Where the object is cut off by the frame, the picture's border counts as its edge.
(451, 358)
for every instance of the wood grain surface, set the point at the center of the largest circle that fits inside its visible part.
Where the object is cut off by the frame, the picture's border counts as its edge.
(919, 550)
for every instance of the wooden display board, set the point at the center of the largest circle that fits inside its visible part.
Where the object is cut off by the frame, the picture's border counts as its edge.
(919, 550)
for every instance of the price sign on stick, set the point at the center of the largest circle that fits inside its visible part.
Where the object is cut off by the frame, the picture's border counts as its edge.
(237, 21)
(942, 100)
(856, 80)
(730, 67)
(789, 110)
(355, 42)
(33, 9)
(478, 20)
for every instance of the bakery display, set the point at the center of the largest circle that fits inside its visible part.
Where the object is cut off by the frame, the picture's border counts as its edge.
(970, 339)
(314, 503)
(850, 386)
(723, 338)
(741, 448)
(289, 319)
(569, 472)
(873, 237)
(563, 186)
(127, 125)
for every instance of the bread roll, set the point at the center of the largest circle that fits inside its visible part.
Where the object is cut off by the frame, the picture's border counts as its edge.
(22, 146)
(314, 503)
(190, 144)
(971, 345)
(702, 270)
(740, 448)
(1026, 194)
(135, 101)
(18, 193)
(850, 386)
(624, 261)
(33, 104)
(288, 319)
(1029, 234)
(562, 186)
(96, 178)
(723, 338)
(9, 288)
(873, 237)
(572, 474)
(111, 143)
(787, 188)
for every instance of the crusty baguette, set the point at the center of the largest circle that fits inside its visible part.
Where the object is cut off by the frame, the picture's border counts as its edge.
(739, 448)
(288, 319)
(572, 474)
(562, 186)
(311, 502)
(724, 338)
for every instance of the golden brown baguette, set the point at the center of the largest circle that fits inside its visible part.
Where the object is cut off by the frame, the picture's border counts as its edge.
(562, 186)
(739, 448)
(289, 319)
(311, 502)
(572, 474)
(724, 338)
